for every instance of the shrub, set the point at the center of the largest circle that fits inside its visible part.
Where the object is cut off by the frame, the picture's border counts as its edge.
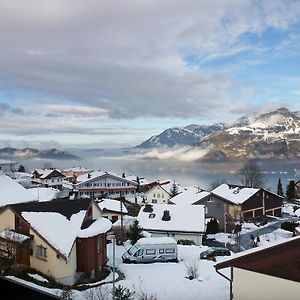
(185, 242)
(212, 226)
(122, 293)
(192, 269)
(289, 226)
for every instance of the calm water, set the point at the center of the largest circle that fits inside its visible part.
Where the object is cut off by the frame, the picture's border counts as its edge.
(186, 173)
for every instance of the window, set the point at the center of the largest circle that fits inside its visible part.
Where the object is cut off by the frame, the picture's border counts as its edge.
(161, 251)
(140, 252)
(170, 250)
(150, 251)
(99, 244)
(154, 201)
(154, 195)
(158, 195)
(41, 252)
(163, 195)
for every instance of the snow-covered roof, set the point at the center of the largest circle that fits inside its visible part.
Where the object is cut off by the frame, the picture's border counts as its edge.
(112, 205)
(189, 196)
(189, 218)
(43, 193)
(92, 175)
(46, 172)
(60, 231)
(12, 192)
(14, 236)
(237, 195)
(156, 241)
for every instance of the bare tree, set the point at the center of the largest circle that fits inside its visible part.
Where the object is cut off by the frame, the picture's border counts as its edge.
(251, 175)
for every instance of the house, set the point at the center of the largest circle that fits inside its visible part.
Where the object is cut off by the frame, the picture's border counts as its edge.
(265, 272)
(49, 178)
(176, 221)
(112, 209)
(189, 196)
(159, 192)
(101, 184)
(238, 203)
(62, 239)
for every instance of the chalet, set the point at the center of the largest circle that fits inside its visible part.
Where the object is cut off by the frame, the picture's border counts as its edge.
(265, 272)
(101, 184)
(49, 178)
(159, 192)
(62, 239)
(112, 209)
(178, 222)
(238, 203)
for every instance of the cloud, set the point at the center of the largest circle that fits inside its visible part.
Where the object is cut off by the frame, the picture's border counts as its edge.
(126, 58)
(81, 68)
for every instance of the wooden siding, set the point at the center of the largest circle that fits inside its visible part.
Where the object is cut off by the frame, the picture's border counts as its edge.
(88, 258)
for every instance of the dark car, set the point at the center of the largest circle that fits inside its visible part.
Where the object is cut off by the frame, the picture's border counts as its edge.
(212, 252)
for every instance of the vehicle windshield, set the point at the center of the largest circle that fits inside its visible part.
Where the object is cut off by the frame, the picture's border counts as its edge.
(133, 249)
(210, 251)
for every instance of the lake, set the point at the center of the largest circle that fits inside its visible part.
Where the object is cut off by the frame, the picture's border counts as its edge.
(186, 173)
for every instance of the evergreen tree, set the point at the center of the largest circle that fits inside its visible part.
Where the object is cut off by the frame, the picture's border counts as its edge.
(21, 169)
(279, 188)
(290, 190)
(135, 232)
(174, 190)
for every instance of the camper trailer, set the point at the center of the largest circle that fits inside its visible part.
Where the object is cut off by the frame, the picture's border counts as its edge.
(152, 249)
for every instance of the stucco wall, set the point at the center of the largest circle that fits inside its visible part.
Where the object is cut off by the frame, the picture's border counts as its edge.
(248, 285)
(7, 220)
(54, 266)
(197, 238)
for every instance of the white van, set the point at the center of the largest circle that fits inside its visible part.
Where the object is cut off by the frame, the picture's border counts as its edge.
(152, 249)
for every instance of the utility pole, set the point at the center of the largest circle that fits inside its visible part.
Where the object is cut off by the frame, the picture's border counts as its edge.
(122, 227)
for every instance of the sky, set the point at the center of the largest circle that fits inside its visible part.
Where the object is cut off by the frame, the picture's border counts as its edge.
(87, 73)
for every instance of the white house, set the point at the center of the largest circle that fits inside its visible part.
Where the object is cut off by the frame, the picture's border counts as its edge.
(159, 192)
(180, 222)
(267, 273)
(101, 183)
(49, 177)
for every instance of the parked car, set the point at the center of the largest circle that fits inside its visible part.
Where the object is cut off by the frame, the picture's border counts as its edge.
(212, 252)
(152, 249)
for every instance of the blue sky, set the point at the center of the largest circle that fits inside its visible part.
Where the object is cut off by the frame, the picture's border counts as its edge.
(114, 73)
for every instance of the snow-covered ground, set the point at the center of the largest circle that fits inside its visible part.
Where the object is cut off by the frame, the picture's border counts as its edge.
(164, 281)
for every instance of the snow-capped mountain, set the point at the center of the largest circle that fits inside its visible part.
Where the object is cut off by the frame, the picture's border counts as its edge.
(273, 135)
(181, 136)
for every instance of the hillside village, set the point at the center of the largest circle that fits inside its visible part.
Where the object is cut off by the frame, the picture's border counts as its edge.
(64, 232)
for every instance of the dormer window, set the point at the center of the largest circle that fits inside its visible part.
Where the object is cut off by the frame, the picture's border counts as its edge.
(151, 216)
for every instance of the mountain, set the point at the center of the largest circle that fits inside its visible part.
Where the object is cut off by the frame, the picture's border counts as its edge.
(13, 153)
(181, 137)
(273, 135)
